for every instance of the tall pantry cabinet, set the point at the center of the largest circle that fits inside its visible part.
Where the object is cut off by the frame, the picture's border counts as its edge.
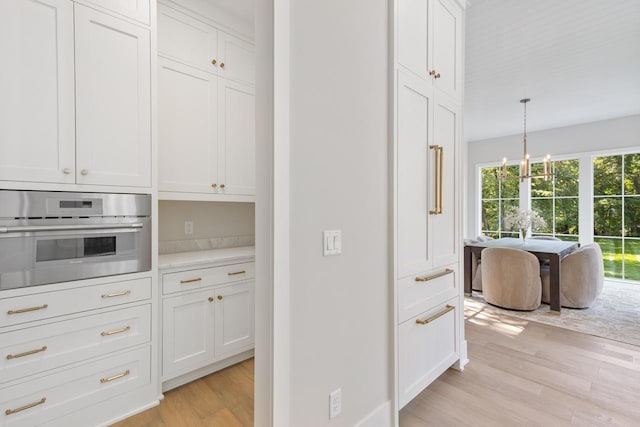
(427, 186)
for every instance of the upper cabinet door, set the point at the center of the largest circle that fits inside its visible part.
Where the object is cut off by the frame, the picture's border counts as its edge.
(187, 40)
(237, 59)
(113, 101)
(134, 9)
(237, 154)
(187, 128)
(37, 137)
(413, 36)
(413, 172)
(447, 46)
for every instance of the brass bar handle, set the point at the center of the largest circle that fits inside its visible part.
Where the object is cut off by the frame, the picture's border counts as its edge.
(197, 279)
(435, 276)
(116, 331)
(27, 310)
(441, 180)
(116, 294)
(26, 353)
(115, 377)
(25, 407)
(437, 175)
(435, 316)
(235, 273)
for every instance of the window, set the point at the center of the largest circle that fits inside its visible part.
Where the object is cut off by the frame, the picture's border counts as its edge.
(557, 200)
(616, 212)
(498, 197)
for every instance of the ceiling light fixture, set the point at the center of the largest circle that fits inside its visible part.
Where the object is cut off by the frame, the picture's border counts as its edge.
(524, 164)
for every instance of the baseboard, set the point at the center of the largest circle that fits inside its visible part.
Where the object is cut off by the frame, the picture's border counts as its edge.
(202, 372)
(380, 417)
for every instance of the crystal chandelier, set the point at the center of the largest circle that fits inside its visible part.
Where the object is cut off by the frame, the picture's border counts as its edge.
(524, 164)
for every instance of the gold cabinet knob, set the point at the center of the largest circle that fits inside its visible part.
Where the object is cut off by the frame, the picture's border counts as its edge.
(66, 171)
(220, 297)
(84, 171)
(214, 185)
(213, 61)
(437, 76)
(222, 65)
(221, 185)
(210, 299)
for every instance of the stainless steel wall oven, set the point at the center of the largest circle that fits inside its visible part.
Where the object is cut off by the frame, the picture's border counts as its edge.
(51, 237)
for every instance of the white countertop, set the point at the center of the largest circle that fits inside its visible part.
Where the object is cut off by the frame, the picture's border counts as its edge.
(211, 256)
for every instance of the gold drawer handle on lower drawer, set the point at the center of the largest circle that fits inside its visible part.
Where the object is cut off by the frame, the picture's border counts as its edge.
(435, 276)
(197, 279)
(435, 316)
(26, 353)
(115, 377)
(116, 294)
(235, 273)
(26, 310)
(117, 331)
(25, 407)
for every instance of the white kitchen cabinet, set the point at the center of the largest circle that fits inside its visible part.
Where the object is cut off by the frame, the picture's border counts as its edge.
(234, 318)
(37, 134)
(188, 332)
(134, 9)
(113, 100)
(187, 127)
(76, 105)
(237, 59)
(430, 42)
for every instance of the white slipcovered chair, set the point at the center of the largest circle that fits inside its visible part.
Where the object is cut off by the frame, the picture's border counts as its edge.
(581, 277)
(511, 278)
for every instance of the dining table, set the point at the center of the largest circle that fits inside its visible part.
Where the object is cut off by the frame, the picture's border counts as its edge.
(545, 250)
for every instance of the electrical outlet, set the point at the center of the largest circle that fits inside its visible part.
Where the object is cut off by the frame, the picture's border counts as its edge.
(335, 403)
(188, 227)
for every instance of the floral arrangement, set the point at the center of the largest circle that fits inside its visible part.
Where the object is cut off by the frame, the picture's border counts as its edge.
(522, 219)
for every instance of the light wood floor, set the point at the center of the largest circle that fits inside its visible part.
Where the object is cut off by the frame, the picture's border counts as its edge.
(520, 374)
(222, 399)
(530, 374)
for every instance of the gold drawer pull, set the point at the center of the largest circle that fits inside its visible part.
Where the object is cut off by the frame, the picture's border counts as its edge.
(22, 408)
(26, 353)
(197, 279)
(117, 331)
(26, 310)
(115, 377)
(435, 276)
(235, 273)
(435, 316)
(116, 294)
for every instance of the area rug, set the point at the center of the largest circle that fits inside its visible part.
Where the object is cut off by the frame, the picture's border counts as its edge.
(615, 314)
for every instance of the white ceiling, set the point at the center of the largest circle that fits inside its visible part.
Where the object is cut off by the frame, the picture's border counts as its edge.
(241, 8)
(578, 61)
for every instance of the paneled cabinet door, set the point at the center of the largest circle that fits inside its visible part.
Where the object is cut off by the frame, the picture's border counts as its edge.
(113, 101)
(236, 105)
(444, 234)
(414, 48)
(187, 128)
(135, 9)
(414, 191)
(234, 318)
(447, 46)
(37, 135)
(237, 59)
(187, 333)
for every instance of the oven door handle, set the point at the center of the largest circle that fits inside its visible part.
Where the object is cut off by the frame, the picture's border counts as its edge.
(73, 227)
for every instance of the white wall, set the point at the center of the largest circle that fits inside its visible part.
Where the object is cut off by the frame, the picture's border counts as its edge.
(614, 134)
(340, 317)
(210, 219)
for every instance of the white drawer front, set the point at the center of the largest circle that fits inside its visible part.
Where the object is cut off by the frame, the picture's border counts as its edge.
(427, 350)
(134, 9)
(420, 292)
(46, 305)
(34, 350)
(47, 398)
(198, 278)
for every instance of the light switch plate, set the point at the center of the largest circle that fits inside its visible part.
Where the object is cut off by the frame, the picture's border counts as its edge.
(331, 242)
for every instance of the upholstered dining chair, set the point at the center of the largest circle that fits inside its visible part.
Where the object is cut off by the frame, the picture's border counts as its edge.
(511, 278)
(476, 271)
(581, 277)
